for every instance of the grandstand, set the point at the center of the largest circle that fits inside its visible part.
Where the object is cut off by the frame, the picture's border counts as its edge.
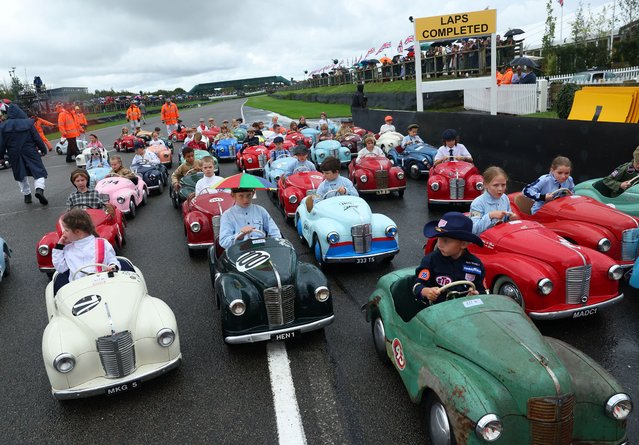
(250, 84)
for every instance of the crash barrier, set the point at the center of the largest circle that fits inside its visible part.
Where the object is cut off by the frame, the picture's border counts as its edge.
(511, 99)
(621, 75)
(523, 146)
(395, 101)
(606, 104)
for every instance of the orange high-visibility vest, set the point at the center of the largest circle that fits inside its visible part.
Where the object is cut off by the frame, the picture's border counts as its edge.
(39, 122)
(169, 113)
(67, 125)
(133, 113)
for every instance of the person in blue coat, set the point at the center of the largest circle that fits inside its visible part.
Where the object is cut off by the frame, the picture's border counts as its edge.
(20, 139)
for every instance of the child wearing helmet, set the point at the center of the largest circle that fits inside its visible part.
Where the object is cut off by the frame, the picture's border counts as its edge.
(452, 150)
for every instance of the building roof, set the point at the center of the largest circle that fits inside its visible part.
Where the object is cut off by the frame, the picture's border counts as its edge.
(239, 84)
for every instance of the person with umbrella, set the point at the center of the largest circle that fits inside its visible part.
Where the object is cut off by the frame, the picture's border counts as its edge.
(529, 78)
(241, 221)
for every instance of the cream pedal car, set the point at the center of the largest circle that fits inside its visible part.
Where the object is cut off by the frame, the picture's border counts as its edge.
(106, 335)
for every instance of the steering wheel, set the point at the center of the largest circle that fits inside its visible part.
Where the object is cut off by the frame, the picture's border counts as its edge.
(370, 153)
(207, 190)
(451, 295)
(301, 168)
(633, 181)
(191, 171)
(505, 219)
(81, 269)
(560, 193)
(283, 155)
(261, 232)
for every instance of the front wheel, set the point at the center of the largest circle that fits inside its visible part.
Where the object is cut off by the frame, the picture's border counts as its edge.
(300, 232)
(440, 432)
(317, 249)
(379, 337)
(413, 171)
(506, 286)
(132, 209)
(160, 187)
(58, 150)
(145, 197)
(7, 264)
(400, 194)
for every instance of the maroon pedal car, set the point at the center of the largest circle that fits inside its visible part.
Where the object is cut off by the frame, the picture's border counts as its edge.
(454, 182)
(293, 188)
(296, 137)
(128, 143)
(377, 175)
(252, 159)
(353, 142)
(201, 215)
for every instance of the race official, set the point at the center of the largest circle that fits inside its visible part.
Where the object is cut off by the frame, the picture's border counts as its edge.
(80, 120)
(69, 130)
(169, 115)
(133, 115)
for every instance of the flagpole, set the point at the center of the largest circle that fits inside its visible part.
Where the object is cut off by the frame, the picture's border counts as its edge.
(561, 25)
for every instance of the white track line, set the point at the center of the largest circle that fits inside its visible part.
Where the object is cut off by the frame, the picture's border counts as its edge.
(242, 110)
(289, 422)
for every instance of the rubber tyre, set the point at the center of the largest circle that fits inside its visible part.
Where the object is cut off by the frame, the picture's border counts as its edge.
(317, 251)
(160, 188)
(400, 194)
(174, 138)
(145, 198)
(175, 200)
(412, 173)
(440, 431)
(132, 210)
(506, 286)
(298, 228)
(7, 264)
(58, 150)
(192, 252)
(379, 337)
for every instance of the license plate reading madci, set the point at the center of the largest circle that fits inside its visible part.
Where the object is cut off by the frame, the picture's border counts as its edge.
(382, 192)
(585, 312)
(284, 335)
(124, 387)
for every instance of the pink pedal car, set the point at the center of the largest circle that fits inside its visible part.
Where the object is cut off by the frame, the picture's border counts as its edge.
(124, 194)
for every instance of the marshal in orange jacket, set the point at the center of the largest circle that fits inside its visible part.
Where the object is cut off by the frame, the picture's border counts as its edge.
(169, 113)
(133, 113)
(67, 125)
(38, 123)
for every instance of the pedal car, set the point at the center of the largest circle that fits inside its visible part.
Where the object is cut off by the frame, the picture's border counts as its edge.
(361, 132)
(586, 222)
(296, 137)
(517, 388)
(106, 335)
(61, 146)
(83, 157)
(127, 143)
(123, 193)
(145, 135)
(156, 177)
(163, 153)
(199, 154)
(273, 170)
(97, 174)
(416, 159)
(311, 133)
(211, 133)
(545, 274)
(178, 136)
(293, 188)
(353, 142)
(201, 215)
(252, 159)
(187, 186)
(324, 149)
(108, 227)
(627, 202)
(240, 134)
(4, 162)
(342, 229)
(389, 140)
(5, 259)
(265, 293)
(375, 174)
(226, 149)
(454, 182)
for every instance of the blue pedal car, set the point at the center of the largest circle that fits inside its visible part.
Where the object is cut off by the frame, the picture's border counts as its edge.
(311, 133)
(416, 160)
(324, 149)
(5, 259)
(226, 149)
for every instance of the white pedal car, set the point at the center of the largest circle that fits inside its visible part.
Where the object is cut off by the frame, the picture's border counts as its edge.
(61, 146)
(84, 156)
(106, 335)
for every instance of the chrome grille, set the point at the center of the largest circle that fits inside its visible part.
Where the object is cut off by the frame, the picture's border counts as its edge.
(457, 186)
(334, 152)
(551, 420)
(629, 244)
(261, 160)
(215, 225)
(117, 354)
(232, 150)
(381, 178)
(578, 284)
(280, 306)
(362, 238)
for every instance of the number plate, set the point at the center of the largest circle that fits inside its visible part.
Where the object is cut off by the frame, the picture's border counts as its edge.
(124, 387)
(365, 260)
(285, 335)
(382, 192)
(585, 312)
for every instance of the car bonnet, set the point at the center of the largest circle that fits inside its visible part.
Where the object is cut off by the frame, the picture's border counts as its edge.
(347, 210)
(267, 262)
(588, 210)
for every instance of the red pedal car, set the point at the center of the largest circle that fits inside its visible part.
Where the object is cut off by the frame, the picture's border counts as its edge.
(293, 188)
(127, 143)
(376, 174)
(108, 227)
(295, 137)
(201, 216)
(178, 136)
(252, 159)
(545, 274)
(454, 182)
(353, 142)
(586, 222)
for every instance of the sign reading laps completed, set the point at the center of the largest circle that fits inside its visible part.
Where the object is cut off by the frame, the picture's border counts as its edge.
(453, 26)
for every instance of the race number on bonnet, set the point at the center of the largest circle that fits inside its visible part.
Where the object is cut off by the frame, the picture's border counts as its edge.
(251, 259)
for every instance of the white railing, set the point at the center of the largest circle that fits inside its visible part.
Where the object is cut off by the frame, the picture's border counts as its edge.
(511, 99)
(621, 74)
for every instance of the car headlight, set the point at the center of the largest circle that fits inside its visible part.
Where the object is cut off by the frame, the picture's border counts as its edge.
(237, 307)
(603, 245)
(43, 250)
(165, 337)
(64, 362)
(249, 160)
(322, 293)
(489, 428)
(195, 227)
(120, 200)
(615, 272)
(400, 175)
(544, 286)
(619, 406)
(321, 155)
(391, 231)
(292, 199)
(363, 178)
(332, 237)
(153, 177)
(434, 186)
(479, 186)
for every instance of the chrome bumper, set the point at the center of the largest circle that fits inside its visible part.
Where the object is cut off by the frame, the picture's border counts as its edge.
(354, 258)
(265, 336)
(570, 312)
(450, 201)
(390, 189)
(199, 245)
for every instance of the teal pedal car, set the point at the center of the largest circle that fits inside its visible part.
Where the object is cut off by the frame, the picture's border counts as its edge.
(627, 202)
(486, 374)
(324, 149)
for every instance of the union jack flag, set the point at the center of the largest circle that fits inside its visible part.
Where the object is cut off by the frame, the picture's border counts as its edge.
(411, 38)
(370, 51)
(561, 2)
(383, 47)
(400, 47)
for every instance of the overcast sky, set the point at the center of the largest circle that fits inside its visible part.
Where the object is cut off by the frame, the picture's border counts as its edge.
(152, 44)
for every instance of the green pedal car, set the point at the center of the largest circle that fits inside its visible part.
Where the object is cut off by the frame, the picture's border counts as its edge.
(486, 374)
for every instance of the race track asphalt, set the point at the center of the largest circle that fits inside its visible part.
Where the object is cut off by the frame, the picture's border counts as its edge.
(223, 394)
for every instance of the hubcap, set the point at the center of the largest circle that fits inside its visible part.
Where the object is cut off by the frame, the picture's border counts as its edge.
(438, 425)
(512, 291)
(379, 336)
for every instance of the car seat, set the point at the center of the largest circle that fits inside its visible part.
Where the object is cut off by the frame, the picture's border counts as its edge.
(601, 188)
(406, 305)
(524, 204)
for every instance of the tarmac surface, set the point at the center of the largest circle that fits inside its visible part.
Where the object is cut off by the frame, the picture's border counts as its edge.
(224, 394)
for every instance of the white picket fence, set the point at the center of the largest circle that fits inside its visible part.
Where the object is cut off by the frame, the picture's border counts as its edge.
(621, 74)
(511, 99)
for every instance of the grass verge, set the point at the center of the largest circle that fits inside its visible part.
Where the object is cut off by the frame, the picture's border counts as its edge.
(397, 86)
(296, 108)
(543, 114)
